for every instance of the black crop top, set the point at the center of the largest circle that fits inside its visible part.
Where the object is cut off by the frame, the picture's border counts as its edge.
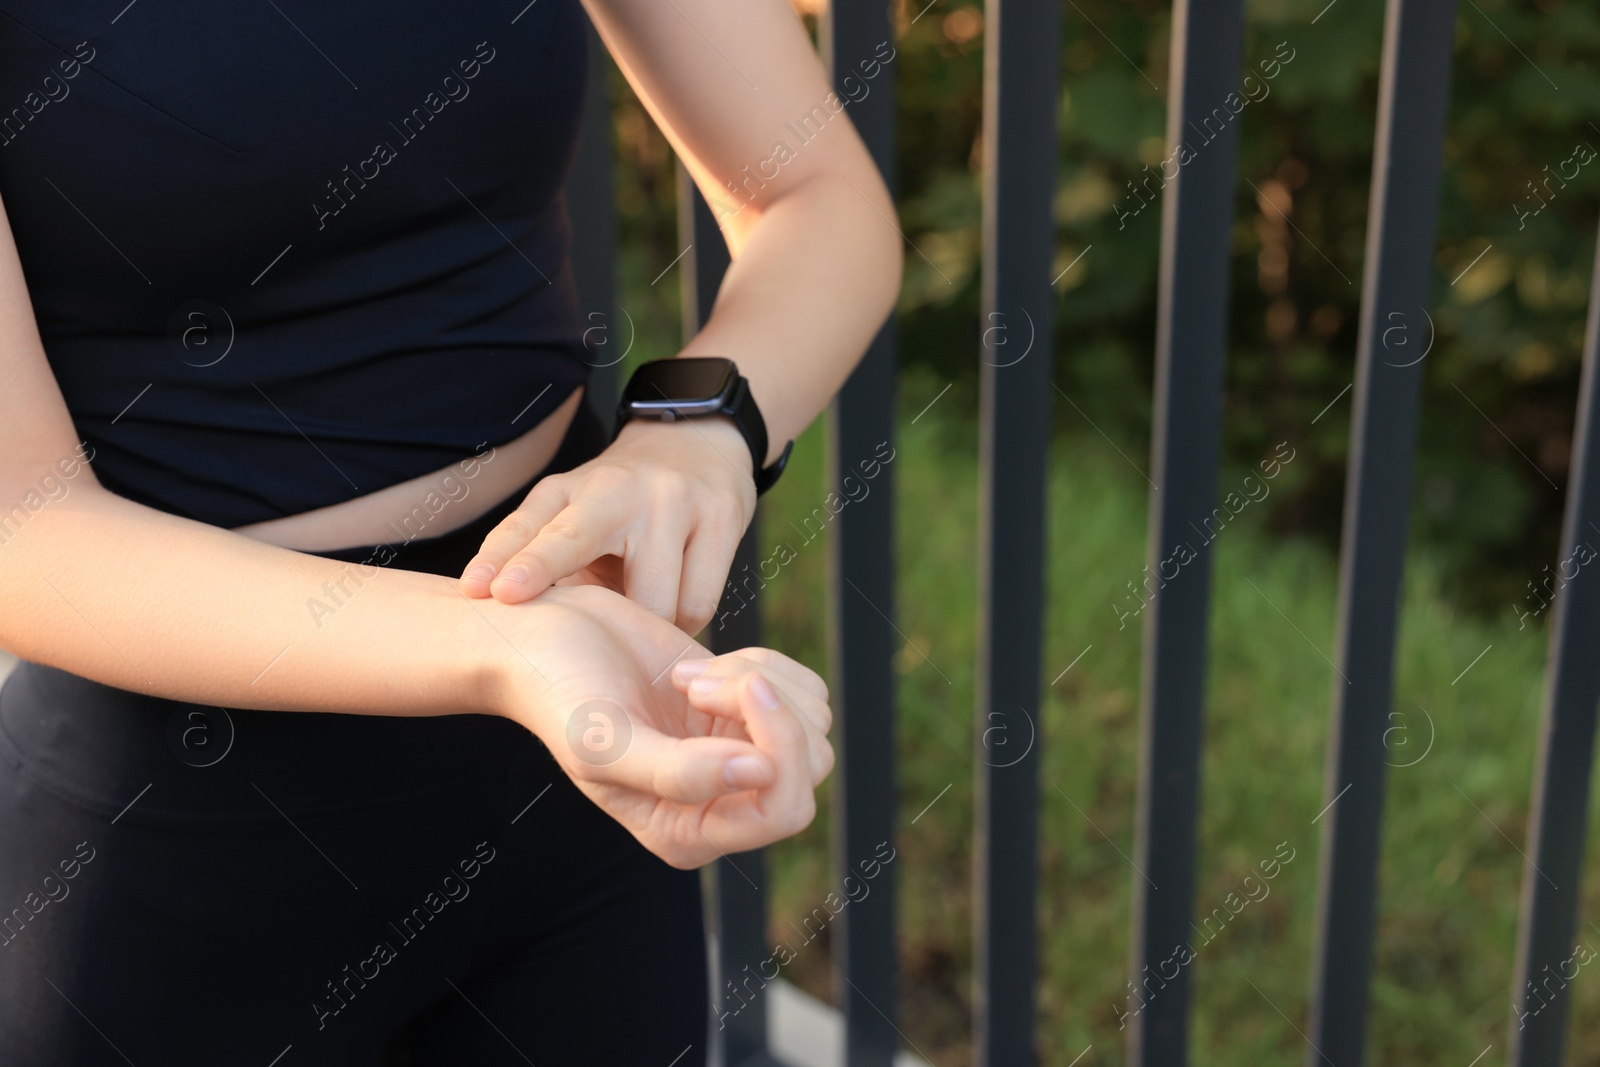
(283, 254)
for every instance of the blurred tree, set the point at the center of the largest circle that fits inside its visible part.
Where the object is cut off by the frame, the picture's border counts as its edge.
(1512, 286)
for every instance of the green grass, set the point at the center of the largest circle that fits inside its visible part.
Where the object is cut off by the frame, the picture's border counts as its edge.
(1451, 874)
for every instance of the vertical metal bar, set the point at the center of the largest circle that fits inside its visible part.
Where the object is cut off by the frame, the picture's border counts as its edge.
(861, 592)
(591, 204)
(739, 903)
(1413, 96)
(1191, 339)
(1021, 53)
(1557, 826)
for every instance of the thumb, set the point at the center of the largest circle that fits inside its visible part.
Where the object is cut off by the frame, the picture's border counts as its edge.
(604, 744)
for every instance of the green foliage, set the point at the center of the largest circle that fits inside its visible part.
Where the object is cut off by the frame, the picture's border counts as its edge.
(1501, 377)
(1461, 755)
(1509, 331)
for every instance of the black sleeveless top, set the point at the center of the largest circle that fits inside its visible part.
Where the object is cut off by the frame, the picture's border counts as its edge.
(283, 253)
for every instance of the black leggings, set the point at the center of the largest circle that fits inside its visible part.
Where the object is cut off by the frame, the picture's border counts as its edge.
(188, 885)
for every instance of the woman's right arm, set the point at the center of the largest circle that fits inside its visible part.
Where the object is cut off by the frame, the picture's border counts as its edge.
(132, 597)
(126, 595)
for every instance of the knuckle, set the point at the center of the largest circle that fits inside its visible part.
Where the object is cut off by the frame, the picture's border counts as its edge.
(801, 815)
(794, 733)
(696, 612)
(562, 529)
(517, 526)
(687, 860)
(725, 513)
(671, 484)
(749, 672)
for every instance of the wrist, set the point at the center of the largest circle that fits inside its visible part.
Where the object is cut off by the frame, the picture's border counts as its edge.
(501, 676)
(695, 389)
(705, 437)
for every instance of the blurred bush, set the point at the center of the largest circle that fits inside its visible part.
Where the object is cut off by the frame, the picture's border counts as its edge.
(1501, 378)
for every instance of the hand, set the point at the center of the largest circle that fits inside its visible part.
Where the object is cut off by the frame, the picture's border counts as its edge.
(657, 516)
(695, 756)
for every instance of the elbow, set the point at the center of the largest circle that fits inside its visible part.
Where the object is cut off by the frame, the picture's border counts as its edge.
(893, 277)
(892, 253)
(881, 246)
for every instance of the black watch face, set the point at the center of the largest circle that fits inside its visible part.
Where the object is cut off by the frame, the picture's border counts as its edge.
(690, 385)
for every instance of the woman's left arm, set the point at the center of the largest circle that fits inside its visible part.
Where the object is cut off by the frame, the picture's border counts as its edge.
(739, 91)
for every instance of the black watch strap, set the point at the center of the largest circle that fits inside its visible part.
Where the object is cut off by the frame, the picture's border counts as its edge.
(741, 408)
(765, 476)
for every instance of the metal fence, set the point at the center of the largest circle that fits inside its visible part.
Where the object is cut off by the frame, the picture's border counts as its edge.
(1022, 51)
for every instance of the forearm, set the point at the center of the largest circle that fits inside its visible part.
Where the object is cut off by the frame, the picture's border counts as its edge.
(135, 598)
(812, 281)
(811, 227)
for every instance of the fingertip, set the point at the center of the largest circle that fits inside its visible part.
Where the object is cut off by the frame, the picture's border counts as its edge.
(476, 579)
(687, 670)
(514, 585)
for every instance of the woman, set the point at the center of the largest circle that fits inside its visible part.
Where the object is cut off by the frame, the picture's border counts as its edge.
(358, 719)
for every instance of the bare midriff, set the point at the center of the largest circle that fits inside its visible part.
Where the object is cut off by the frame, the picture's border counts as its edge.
(429, 506)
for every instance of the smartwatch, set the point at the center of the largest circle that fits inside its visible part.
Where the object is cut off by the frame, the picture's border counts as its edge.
(697, 386)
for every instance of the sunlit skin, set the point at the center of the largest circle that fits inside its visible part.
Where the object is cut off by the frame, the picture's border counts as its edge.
(641, 537)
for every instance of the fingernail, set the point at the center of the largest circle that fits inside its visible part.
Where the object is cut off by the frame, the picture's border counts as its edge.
(518, 574)
(704, 687)
(482, 572)
(686, 669)
(744, 772)
(762, 690)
